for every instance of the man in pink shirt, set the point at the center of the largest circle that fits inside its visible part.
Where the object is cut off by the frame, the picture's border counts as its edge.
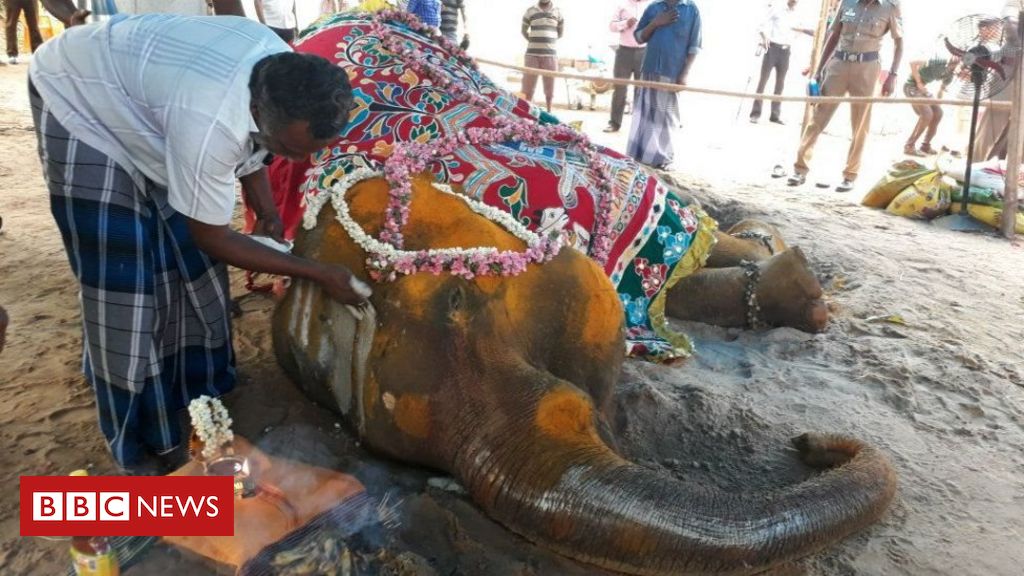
(629, 56)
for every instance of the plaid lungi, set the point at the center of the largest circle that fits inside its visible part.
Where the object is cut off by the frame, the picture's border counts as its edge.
(155, 327)
(655, 124)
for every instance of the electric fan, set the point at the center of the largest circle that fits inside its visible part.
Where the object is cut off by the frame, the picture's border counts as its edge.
(987, 48)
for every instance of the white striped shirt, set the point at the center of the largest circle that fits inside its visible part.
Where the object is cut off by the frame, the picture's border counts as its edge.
(166, 97)
(543, 28)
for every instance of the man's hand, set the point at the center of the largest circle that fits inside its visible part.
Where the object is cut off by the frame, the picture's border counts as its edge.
(665, 18)
(270, 225)
(339, 283)
(79, 17)
(631, 22)
(889, 85)
(682, 80)
(66, 12)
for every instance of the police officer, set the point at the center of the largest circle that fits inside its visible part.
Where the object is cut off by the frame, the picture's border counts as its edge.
(850, 65)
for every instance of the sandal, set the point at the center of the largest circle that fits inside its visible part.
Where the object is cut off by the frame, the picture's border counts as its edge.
(778, 171)
(927, 149)
(797, 179)
(911, 151)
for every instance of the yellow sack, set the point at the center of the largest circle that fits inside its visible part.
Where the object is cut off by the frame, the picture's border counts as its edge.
(901, 175)
(926, 199)
(990, 215)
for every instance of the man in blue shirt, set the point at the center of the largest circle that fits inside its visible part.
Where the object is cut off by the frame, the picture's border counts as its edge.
(428, 11)
(672, 31)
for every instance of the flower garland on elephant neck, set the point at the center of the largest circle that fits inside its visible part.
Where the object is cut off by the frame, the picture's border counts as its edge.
(387, 260)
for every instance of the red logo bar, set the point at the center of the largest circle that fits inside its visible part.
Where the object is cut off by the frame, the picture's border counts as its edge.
(127, 506)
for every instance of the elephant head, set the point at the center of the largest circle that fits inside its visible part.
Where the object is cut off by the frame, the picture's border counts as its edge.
(506, 383)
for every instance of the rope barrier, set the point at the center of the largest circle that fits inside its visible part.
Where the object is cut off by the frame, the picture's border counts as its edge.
(733, 94)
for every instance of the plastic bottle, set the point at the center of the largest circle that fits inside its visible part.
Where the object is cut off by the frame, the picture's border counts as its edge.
(813, 89)
(93, 555)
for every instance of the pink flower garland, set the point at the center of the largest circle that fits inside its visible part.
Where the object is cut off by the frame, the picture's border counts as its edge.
(410, 158)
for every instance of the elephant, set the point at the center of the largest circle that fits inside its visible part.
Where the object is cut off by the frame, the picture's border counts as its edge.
(659, 237)
(506, 384)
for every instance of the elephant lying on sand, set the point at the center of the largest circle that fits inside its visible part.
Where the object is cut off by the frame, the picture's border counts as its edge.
(658, 238)
(506, 384)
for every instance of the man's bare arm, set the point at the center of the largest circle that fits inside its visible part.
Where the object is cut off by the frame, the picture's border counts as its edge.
(890, 82)
(66, 12)
(830, 47)
(228, 8)
(258, 5)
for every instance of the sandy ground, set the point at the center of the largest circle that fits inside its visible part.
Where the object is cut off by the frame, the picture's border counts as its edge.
(942, 393)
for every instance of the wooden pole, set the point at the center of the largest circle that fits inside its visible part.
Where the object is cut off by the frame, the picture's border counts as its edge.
(819, 42)
(1016, 134)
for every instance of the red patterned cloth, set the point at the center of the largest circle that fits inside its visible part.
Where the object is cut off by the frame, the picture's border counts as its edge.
(656, 238)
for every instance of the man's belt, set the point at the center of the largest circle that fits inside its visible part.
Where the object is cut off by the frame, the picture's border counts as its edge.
(856, 56)
(777, 45)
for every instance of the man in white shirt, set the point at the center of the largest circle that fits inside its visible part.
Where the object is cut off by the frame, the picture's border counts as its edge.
(778, 32)
(144, 124)
(278, 15)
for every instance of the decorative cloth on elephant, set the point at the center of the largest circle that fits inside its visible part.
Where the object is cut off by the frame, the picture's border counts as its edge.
(655, 238)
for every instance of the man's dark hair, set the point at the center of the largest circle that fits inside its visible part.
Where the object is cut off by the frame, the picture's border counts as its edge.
(289, 87)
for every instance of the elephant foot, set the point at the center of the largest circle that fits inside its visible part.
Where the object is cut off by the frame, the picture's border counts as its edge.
(787, 292)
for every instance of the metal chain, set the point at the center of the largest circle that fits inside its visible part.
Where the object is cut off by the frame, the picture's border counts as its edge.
(767, 239)
(753, 274)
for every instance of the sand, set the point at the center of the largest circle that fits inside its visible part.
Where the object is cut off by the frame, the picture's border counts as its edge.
(942, 393)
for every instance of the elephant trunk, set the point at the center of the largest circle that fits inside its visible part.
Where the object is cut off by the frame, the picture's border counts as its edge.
(549, 477)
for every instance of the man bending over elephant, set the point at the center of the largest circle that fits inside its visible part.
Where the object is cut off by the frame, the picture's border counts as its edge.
(144, 124)
(660, 241)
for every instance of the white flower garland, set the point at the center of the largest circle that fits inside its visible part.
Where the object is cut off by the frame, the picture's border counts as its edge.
(372, 246)
(212, 424)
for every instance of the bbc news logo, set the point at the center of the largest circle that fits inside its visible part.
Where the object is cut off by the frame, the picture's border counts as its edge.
(127, 506)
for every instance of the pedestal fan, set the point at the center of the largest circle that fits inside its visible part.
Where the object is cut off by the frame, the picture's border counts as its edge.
(987, 48)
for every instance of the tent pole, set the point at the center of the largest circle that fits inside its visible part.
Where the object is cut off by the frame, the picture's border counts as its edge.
(1016, 145)
(819, 41)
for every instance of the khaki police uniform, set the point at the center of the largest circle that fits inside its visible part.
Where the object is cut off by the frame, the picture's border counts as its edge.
(853, 69)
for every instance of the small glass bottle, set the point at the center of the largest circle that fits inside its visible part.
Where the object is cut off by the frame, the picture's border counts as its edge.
(93, 555)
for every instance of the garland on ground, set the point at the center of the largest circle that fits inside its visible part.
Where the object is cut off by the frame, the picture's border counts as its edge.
(386, 260)
(212, 424)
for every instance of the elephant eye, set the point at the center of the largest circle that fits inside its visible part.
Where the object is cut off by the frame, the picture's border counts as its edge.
(455, 299)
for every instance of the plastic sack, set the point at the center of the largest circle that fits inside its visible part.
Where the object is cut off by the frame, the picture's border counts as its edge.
(900, 176)
(990, 215)
(927, 198)
(988, 174)
(978, 195)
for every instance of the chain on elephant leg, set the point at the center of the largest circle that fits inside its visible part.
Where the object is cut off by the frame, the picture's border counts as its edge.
(768, 240)
(752, 272)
